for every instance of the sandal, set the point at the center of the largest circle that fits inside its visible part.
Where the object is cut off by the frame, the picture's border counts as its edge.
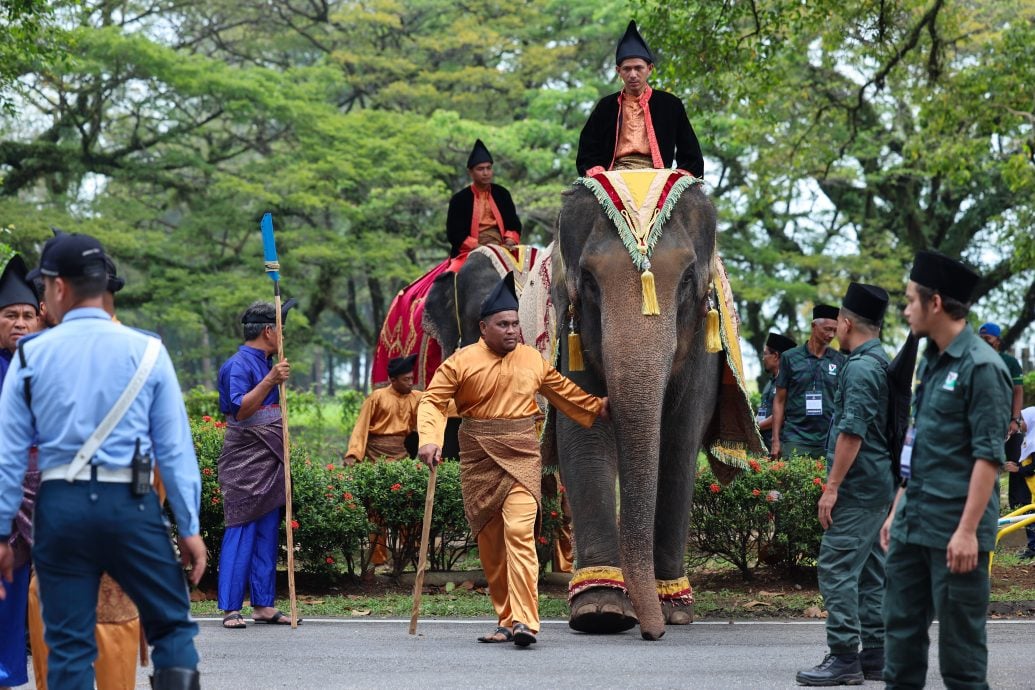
(234, 617)
(278, 618)
(523, 635)
(507, 636)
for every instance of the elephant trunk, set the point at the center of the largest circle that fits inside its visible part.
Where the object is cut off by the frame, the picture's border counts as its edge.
(636, 385)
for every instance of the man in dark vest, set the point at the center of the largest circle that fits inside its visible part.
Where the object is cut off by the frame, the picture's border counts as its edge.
(638, 127)
(482, 213)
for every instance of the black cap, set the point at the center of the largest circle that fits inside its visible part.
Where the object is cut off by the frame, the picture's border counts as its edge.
(632, 45)
(947, 276)
(70, 255)
(398, 366)
(15, 287)
(479, 154)
(115, 283)
(824, 311)
(868, 301)
(502, 298)
(779, 343)
(284, 309)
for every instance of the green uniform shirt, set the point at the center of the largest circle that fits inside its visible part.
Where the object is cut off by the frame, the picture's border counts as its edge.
(1014, 367)
(861, 409)
(765, 409)
(962, 409)
(803, 375)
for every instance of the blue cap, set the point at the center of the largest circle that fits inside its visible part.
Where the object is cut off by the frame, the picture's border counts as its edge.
(70, 255)
(990, 329)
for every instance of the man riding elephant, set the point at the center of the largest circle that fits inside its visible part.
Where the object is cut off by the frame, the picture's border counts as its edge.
(481, 213)
(638, 127)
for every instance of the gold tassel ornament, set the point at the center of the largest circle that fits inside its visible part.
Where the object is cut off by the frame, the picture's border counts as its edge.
(712, 339)
(650, 295)
(575, 362)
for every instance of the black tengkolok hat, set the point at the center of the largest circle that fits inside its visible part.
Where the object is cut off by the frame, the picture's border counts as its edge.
(284, 309)
(868, 301)
(479, 154)
(779, 343)
(401, 365)
(70, 255)
(15, 287)
(632, 45)
(502, 298)
(940, 273)
(824, 311)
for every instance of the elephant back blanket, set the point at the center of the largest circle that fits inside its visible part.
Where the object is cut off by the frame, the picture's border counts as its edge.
(639, 202)
(403, 333)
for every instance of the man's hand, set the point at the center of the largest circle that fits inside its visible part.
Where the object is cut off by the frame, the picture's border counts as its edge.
(430, 454)
(885, 531)
(349, 461)
(194, 557)
(6, 567)
(1013, 428)
(774, 449)
(279, 373)
(605, 410)
(962, 554)
(509, 243)
(826, 506)
(1011, 466)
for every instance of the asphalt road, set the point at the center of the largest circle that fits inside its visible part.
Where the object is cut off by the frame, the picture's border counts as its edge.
(328, 654)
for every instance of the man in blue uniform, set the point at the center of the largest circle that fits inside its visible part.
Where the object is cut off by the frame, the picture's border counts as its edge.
(251, 469)
(19, 316)
(91, 515)
(943, 524)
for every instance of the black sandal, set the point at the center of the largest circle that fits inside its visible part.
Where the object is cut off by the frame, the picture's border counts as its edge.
(278, 618)
(523, 635)
(507, 636)
(234, 617)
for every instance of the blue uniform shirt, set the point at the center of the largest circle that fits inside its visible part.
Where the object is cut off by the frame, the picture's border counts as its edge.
(5, 364)
(78, 370)
(240, 374)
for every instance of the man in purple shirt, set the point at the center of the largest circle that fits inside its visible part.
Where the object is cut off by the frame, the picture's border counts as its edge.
(251, 469)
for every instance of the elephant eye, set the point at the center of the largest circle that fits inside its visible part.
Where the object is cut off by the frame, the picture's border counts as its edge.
(588, 285)
(688, 284)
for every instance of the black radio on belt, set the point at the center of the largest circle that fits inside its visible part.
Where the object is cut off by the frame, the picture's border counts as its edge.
(141, 472)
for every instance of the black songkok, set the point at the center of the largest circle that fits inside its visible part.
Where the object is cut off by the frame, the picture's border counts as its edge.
(632, 45)
(944, 275)
(868, 301)
(479, 154)
(825, 311)
(398, 366)
(15, 287)
(502, 298)
(779, 343)
(284, 309)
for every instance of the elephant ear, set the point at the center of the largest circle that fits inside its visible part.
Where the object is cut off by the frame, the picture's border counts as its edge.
(439, 318)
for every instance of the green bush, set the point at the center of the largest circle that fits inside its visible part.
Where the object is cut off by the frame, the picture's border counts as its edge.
(767, 514)
(1029, 388)
(202, 402)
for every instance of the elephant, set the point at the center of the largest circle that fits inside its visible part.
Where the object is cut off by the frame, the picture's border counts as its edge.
(662, 384)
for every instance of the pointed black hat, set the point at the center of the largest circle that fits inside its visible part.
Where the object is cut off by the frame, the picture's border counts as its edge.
(502, 298)
(777, 342)
(942, 274)
(868, 301)
(15, 287)
(398, 366)
(479, 154)
(632, 45)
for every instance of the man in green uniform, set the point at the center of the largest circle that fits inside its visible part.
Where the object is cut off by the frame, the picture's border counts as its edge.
(943, 525)
(805, 390)
(775, 345)
(856, 499)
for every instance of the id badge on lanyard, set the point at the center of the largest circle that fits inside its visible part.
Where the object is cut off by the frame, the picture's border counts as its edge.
(763, 413)
(905, 460)
(813, 404)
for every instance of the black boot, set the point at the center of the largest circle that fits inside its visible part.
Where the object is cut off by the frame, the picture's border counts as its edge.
(872, 661)
(835, 669)
(176, 679)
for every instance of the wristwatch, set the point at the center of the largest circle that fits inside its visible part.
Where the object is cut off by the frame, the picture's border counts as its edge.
(1019, 419)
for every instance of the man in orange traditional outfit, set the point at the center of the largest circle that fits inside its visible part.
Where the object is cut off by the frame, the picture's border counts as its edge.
(482, 213)
(493, 383)
(387, 417)
(638, 127)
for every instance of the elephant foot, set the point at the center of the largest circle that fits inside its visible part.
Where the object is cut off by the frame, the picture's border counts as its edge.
(602, 611)
(677, 601)
(677, 614)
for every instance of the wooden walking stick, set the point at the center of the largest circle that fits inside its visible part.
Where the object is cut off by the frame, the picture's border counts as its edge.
(269, 249)
(422, 561)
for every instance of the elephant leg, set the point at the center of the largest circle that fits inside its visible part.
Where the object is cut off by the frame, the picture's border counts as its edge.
(589, 471)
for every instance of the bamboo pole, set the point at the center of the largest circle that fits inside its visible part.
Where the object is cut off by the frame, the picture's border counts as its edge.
(422, 561)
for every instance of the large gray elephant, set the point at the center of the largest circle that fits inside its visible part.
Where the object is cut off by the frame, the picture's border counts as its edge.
(663, 386)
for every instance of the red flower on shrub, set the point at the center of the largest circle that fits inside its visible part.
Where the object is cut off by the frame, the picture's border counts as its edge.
(352, 506)
(219, 425)
(756, 492)
(347, 496)
(714, 488)
(542, 540)
(206, 418)
(755, 467)
(822, 487)
(294, 524)
(215, 500)
(396, 486)
(817, 481)
(330, 496)
(207, 471)
(329, 560)
(330, 467)
(820, 465)
(553, 513)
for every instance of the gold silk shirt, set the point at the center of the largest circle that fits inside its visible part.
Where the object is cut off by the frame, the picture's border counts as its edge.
(632, 137)
(384, 413)
(485, 385)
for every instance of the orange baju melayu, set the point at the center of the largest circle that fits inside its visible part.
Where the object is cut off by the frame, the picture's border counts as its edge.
(384, 421)
(500, 467)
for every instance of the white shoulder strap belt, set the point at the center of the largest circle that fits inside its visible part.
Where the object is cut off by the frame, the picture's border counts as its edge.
(115, 415)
